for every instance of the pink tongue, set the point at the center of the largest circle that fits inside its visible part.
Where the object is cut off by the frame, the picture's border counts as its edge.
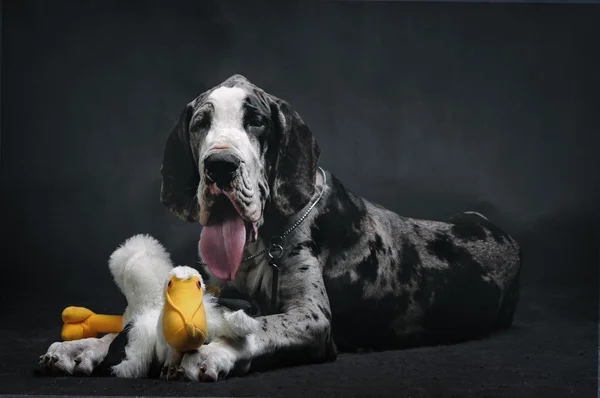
(222, 243)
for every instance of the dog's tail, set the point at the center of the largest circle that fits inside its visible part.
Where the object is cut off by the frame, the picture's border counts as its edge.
(139, 267)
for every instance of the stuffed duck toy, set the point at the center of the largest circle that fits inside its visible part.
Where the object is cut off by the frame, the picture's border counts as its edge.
(170, 311)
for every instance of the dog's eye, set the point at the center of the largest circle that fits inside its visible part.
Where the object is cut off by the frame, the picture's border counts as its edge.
(257, 121)
(199, 285)
(200, 122)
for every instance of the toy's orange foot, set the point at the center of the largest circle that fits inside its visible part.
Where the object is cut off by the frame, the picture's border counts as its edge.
(76, 325)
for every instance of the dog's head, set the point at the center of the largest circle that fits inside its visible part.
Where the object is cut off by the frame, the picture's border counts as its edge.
(235, 152)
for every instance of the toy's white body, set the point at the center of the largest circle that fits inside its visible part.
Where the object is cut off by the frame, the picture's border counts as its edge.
(140, 267)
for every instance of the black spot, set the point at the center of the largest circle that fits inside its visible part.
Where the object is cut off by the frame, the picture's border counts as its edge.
(314, 315)
(368, 268)
(377, 244)
(470, 227)
(458, 303)
(264, 328)
(257, 119)
(307, 327)
(417, 229)
(306, 245)
(469, 232)
(409, 261)
(325, 312)
(116, 353)
(339, 225)
(350, 328)
(443, 248)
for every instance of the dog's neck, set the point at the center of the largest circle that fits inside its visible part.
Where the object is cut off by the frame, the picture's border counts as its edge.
(276, 223)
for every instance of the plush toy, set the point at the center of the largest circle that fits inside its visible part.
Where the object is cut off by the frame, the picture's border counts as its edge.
(183, 319)
(81, 323)
(169, 311)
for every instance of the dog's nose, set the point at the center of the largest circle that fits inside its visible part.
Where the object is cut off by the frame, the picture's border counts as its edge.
(221, 167)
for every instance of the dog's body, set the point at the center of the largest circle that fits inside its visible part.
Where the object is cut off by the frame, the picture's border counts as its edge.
(352, 275)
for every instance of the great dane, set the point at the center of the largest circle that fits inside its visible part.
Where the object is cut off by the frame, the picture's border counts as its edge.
(329, 270)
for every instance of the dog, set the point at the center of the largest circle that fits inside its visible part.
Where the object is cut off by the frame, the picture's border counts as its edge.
(330, 271)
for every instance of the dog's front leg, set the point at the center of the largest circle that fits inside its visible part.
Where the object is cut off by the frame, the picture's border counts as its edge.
(76, 356)
(301, 334)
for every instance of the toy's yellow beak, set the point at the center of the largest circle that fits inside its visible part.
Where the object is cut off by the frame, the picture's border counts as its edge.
(184, 318)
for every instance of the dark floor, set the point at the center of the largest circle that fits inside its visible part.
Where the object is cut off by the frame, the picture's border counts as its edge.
(551, 351)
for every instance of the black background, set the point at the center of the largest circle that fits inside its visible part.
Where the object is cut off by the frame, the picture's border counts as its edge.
(428, 109)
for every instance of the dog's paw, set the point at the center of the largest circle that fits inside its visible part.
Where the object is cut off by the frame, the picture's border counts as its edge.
(172, 369)
(73, 357)
(172, 373)
(211, 362)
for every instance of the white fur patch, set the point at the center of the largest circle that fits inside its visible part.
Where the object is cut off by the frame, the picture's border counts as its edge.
(227, 130)
(183, 272)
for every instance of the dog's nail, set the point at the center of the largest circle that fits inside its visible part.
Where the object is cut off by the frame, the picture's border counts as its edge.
(202, 368)
(54, 358)
(78, 361)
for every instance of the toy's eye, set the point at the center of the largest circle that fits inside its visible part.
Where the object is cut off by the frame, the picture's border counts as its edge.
(199, 285)
(170, 284)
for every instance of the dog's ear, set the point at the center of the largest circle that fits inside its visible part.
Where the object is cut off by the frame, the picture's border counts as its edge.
(293, 176)
(180, 175)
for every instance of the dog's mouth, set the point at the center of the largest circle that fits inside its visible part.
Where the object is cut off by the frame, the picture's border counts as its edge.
(225, 234)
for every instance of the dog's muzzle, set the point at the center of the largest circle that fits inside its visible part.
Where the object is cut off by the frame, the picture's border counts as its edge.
(221, 168)
(225, 231)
